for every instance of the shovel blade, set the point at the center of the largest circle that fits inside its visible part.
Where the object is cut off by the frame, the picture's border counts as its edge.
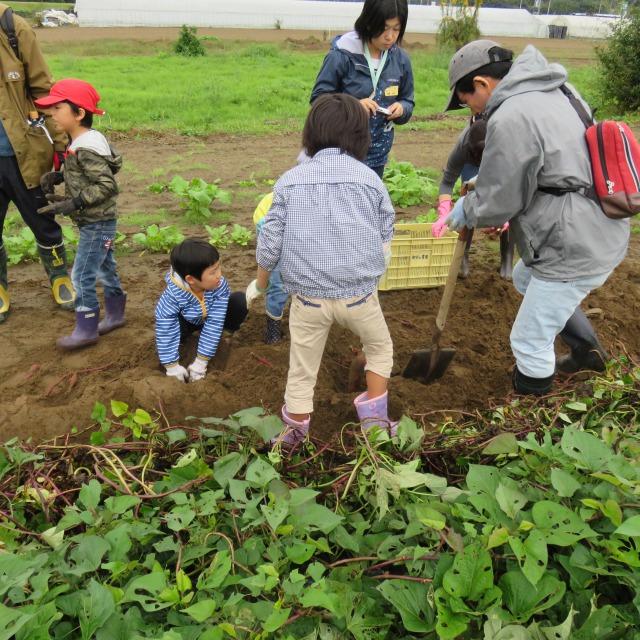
(420, 368)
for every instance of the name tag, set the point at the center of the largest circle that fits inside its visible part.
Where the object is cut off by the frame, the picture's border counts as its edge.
(391, 91)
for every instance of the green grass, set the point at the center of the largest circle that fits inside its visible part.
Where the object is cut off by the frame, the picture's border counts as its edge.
(237, 88)
(29, 9)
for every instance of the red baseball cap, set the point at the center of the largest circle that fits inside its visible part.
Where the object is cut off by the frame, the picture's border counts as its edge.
(81, 93)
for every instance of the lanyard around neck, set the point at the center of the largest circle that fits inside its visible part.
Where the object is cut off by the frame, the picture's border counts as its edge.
(375, 73)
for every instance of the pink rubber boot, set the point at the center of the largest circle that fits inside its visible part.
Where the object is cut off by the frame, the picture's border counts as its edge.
(374, 412)
(294, 431)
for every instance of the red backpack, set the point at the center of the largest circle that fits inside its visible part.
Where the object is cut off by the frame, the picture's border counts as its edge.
(615, 162)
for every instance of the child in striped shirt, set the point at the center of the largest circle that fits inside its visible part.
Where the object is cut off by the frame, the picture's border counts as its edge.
(197, 298)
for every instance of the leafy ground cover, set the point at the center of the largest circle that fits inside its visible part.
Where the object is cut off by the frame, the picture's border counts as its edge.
(520, 523)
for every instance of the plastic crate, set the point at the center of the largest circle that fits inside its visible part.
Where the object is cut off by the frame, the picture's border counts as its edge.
(418, 260)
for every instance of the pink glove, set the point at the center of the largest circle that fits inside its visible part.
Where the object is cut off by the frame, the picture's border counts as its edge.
(439, 228)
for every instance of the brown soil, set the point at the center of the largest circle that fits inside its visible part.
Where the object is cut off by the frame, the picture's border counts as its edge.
(43, 392)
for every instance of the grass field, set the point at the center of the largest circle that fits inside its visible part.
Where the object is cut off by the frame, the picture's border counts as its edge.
(236, 88)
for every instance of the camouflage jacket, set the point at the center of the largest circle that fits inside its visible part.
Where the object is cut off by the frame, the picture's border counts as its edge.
(89, 176)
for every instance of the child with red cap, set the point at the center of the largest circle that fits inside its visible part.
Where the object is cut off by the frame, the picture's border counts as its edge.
(90, 201)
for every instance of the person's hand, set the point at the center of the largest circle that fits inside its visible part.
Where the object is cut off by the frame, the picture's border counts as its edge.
(457, 219)
(497, 231)
(177, 371)
(386, 252)
(253, 292)
(198, 369)
(470, 184)
(60, 205)
(50, 180)
(439, 228)
(369, 105)
(397, 111)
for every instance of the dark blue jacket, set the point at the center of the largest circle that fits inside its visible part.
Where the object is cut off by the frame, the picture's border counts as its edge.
(345, 70)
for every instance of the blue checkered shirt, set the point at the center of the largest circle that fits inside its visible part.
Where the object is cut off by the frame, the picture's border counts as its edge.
(325, 230)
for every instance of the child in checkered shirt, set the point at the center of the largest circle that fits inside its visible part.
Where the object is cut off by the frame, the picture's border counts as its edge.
(329, 231)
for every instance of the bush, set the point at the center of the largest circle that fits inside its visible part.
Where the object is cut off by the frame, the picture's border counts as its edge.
(620, 64)
(188, 43)
(459, 24)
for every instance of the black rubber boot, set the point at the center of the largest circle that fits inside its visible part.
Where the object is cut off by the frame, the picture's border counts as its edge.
(506, 254)
(4, 285)
(54, 260)
(528, 386)
(273, 331)
(464, 267)
(587, 354)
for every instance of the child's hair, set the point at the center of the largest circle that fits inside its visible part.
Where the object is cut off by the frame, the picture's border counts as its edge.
(337, 120)
(192, 256)
(498, 69)
(87, 120)
(370, 24)
(477, 134)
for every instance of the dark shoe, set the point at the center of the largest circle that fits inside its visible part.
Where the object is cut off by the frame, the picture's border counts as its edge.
(85, 332)
(464, 267)
(4, 289)
(113, 313)
(528, 386)
(273, 331)
(54, 260)
(587, 354)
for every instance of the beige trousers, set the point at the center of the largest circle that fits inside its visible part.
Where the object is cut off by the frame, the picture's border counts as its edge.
(310, 320)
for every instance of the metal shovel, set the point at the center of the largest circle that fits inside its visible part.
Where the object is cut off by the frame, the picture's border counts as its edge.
(428, 365)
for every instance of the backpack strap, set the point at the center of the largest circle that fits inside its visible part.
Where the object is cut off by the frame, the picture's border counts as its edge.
(8, 26)
(587, 120)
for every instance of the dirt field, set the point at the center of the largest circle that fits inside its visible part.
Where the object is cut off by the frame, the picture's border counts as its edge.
(44, 393)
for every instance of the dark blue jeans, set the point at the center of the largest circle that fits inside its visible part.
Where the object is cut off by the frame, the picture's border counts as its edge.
(94, 261)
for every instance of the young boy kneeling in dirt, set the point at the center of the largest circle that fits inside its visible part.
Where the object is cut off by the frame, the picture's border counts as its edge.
(197, 297)
(90, 201)
(329, 231)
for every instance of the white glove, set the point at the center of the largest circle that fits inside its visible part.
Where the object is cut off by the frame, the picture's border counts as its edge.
(198, 369)
(386, 252)
(253, 292)
(457, 219)
(177, 371)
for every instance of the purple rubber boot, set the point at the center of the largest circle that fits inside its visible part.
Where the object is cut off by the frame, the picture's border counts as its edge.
(294, 431)
(113, 313)
(373, 412)
(84, 333)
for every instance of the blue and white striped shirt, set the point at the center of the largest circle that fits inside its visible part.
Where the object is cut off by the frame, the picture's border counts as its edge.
(326, 228)
(179, 300)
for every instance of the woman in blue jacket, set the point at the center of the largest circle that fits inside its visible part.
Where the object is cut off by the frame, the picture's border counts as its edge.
(369, 64)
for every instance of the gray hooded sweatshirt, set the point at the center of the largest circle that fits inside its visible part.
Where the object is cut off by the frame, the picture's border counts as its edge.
(536, 138)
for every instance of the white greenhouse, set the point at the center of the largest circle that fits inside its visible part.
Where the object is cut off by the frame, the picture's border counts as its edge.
(312, 14)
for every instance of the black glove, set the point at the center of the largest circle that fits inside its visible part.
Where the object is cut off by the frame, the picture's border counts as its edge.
(61, 205)
(50, 180)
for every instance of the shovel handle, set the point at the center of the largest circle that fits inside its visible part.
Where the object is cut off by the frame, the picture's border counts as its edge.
(452, 278)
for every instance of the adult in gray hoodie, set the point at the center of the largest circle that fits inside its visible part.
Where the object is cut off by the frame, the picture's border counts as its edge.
(568, 247)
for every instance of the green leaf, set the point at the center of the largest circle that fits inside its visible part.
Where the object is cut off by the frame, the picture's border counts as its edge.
(226, 468)
(121, 504)
(145, 590)
(260, 473)
(430, 517)
(630, 527)
(213, 577)
(559, 525)
(312, 517)
(411, 600)
(532, 555)
(510, 499)
(564, 483)
(97, 607)
(201, 610)
(119, 408)
(525, 600)
(449, 625)
(276, 619)
(503, 443)
(87, 555)
(470, 575)
(89, 495)
(299, 552)
(587, 450)
(180, 517)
